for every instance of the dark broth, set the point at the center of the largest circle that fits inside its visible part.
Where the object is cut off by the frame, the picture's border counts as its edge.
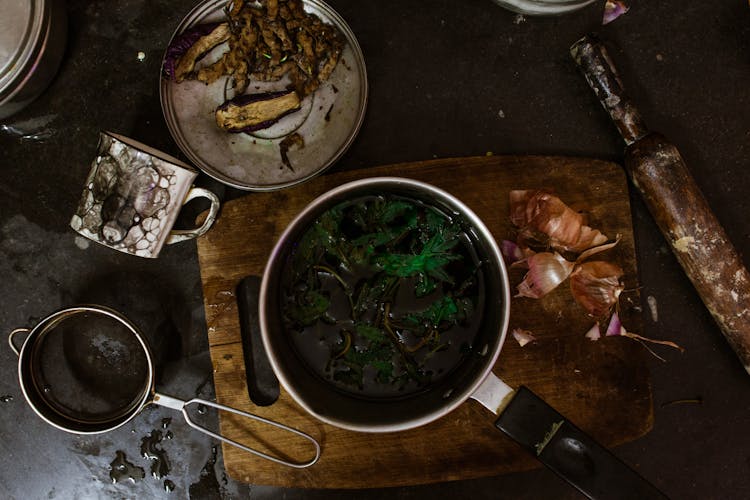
(383, 295)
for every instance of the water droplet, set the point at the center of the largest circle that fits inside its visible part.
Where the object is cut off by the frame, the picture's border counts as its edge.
(168, 435)
(165, 422)
(151, 450)
(121, 469)
(202, 409)
(168, 486)
(6, 399)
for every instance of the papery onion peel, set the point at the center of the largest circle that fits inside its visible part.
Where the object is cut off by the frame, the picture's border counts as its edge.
(613, 9)
(596, 286)
(543, 217)
(523, 337)
(597, 249)
(511, 251)
(546, 271)
(615, 328)
(594, 332)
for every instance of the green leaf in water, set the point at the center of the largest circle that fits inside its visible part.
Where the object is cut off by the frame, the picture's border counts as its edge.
(427, 266)
(307, 308)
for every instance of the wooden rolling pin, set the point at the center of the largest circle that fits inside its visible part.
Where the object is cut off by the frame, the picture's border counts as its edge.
(675, 201)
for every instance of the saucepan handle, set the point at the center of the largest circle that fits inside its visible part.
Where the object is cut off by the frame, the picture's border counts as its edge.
(262, 384)
(12, 335)
(570, 452)
(180, 405)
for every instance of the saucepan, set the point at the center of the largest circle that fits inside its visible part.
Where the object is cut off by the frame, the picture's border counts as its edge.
(87, 369)
(522, 415)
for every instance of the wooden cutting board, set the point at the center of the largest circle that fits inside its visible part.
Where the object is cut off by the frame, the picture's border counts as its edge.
(603, 387)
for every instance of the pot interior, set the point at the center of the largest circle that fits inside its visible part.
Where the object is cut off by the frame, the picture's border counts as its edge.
(354, 411)
(85, 370)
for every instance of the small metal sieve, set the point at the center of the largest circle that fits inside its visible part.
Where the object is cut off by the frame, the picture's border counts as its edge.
(88, 370)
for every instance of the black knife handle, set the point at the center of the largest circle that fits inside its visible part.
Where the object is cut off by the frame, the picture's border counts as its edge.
(569, 452)
(262, 384)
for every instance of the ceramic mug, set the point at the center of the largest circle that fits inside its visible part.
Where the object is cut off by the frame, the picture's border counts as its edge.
(133, 195)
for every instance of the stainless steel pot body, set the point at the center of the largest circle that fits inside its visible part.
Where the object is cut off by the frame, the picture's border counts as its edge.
(343, 410)
(34, 389)
(32, 43)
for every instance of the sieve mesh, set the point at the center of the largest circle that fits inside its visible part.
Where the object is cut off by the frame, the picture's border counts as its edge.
(89, 368)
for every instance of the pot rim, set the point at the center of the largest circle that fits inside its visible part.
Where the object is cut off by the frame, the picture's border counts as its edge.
(452, 402)
(26, 385)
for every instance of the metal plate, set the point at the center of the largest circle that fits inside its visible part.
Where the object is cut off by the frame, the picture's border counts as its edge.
(328, 121)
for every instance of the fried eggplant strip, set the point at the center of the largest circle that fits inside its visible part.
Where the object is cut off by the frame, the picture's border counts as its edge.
(272, 38)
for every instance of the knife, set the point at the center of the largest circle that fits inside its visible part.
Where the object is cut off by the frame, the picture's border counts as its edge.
(561, 446)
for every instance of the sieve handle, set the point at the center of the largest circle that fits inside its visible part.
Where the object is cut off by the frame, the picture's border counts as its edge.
(180, 405)
(13, 334)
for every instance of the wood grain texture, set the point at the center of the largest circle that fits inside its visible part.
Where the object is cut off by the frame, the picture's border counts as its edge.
(603, 387)
(696, 236)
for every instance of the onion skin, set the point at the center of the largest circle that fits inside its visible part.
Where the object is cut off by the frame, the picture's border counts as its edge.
(544, 218)
(596, 287)
(523, 337)
(594, 333)
(612, 10)
(511, 251)
(546, 272)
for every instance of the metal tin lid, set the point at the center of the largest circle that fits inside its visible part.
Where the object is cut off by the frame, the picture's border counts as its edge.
(21, 24)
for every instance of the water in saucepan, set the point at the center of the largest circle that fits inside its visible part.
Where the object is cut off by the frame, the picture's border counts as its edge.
(90, 367)
(383, 295)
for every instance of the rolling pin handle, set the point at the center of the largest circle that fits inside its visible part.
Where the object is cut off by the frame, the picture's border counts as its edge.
(673, 197)
(592, 58)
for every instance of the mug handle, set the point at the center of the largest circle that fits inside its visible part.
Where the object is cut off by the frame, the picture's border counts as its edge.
(177, 235)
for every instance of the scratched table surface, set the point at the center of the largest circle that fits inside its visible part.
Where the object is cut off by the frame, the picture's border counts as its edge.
(447, 79)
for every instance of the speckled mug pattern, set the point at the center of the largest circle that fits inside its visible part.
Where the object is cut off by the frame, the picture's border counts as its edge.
(131, 197)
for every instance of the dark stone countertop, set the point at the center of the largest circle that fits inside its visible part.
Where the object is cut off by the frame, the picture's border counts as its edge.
(446, 79)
